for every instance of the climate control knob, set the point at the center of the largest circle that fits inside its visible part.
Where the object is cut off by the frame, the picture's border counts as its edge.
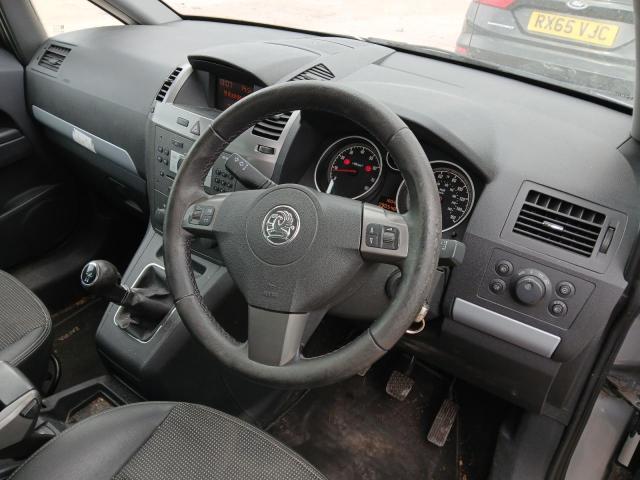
(531, 287)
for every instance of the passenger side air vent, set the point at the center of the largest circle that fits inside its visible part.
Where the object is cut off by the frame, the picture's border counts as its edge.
(53, 57)
(319, 72)
(560, 223)
(167, 84)
(271, 127)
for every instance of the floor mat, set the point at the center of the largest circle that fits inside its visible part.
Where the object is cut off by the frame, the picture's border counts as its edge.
(99, 404)
(74, 331)
(355, 430)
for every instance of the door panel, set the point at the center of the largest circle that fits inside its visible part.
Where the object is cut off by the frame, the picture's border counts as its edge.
(38, 206)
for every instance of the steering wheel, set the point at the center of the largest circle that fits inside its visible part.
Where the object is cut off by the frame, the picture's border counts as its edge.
(293, 251)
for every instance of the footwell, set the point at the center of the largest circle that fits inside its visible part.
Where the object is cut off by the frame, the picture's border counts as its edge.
(355, 430)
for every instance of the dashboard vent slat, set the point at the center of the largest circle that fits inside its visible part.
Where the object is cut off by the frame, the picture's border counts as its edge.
(317, 72)
(271, 127)
(53, 57)
(167, 84)
(560, 223)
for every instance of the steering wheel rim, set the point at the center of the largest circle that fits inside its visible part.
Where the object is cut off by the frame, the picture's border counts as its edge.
(423, 233)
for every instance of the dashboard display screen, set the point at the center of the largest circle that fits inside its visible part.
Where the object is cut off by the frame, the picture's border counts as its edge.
(229, 92)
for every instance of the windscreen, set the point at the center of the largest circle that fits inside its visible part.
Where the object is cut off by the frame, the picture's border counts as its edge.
(585, 45)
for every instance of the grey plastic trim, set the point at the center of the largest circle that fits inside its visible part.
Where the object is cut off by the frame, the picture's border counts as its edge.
(505, 328)
(13, 425)
(88, 140)
(178, 83)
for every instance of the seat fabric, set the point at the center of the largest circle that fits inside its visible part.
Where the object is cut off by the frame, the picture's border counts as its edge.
(162, 441)
(25, 329)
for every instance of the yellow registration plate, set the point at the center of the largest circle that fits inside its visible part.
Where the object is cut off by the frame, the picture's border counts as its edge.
(573, 28)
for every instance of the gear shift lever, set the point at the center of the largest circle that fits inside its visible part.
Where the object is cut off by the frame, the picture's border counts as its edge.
(145, 305)
(102, 278)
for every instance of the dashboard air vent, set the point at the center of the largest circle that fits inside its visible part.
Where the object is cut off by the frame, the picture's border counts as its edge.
(53, 57)
(271, 127)
(560, 223)
(167, 84)
(319, 72)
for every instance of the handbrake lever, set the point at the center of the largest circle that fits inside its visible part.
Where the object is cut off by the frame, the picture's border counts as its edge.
(247, 174)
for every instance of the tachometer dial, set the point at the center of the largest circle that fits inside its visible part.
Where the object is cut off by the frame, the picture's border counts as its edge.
(456, 191)
(350, 167)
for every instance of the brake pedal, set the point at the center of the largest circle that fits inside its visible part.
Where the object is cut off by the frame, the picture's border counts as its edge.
(399, 385)
(443, 423)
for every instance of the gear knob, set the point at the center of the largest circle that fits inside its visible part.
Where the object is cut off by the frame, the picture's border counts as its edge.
(102, 278)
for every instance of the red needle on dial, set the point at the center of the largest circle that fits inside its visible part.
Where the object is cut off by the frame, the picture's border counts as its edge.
(345, 170)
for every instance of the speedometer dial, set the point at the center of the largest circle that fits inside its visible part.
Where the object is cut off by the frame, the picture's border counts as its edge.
(350, 167)
(456, 191)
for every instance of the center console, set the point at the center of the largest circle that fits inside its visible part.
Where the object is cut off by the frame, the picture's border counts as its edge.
(164, 362)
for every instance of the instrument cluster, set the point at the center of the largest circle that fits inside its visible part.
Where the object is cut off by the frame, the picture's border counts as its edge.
(355, 167)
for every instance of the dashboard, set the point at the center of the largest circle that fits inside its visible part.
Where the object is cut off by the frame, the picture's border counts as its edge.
(532, 181)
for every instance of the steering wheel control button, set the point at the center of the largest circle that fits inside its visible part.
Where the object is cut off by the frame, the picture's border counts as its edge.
(382, 236)
(497, 286)
(565, 289)
(196, 215)
(374, 235)
(558, 308)
(206, 220)
(390, 236)
(201, 215)
(504, 268)
(89, 274)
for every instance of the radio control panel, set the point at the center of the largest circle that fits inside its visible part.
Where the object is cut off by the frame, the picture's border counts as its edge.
(170, 150)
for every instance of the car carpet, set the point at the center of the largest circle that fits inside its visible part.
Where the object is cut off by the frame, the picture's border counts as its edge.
(355, 430)
(74, 330)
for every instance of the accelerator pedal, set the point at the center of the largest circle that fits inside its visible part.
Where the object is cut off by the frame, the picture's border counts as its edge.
(399, 385)
(443, 423)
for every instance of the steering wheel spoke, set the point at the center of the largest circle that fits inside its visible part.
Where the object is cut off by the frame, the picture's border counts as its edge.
(275, 338)
(385, 235)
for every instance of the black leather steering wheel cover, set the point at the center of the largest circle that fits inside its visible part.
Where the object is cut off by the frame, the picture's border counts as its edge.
(424, 221)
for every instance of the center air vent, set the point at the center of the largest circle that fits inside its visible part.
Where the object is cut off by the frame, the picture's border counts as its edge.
(560, 223)
(167, 84)
(271, 127)
(53, 57)
(319, 72)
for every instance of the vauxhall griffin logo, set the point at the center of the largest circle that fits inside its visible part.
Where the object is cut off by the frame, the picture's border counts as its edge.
(281, 225)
